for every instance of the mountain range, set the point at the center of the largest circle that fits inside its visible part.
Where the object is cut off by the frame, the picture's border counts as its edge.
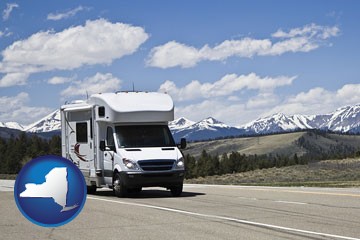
(343, 120)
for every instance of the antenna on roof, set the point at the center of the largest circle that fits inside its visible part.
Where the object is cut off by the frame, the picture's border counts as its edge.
(133, 87)
(87, 95)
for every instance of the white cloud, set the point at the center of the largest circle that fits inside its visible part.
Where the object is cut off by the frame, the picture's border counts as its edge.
(226, 86)
(64, 15)
(303, 39)
(318, 101)
(309, 31)
(59, 80)
(96, 84)
(7, 11)
(97, 42)
(5, 33)
(262, 100)
(12, 79)
(173, 54)
(15, 108)
(237, 111)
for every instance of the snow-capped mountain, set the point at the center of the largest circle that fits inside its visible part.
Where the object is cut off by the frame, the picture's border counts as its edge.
(278, 123)
(49, 123)
(208, 128)
(345, 119)
(12, 125)
(180, 123)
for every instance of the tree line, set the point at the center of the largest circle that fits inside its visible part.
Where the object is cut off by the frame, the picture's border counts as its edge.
(235, 162)
(15, 152)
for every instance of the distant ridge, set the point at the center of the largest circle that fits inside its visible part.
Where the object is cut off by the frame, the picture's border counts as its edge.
(343, 120)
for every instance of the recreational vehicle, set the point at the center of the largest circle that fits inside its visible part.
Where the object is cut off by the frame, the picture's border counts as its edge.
(122, 141)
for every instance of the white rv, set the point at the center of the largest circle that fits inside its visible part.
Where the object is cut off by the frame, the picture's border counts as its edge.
(122, 141)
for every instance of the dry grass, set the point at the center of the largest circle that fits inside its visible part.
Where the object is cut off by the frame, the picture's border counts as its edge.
(283, 144)
(8, 176)
(330, 173)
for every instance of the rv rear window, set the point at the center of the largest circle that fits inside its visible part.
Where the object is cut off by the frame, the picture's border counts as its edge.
(81, 132)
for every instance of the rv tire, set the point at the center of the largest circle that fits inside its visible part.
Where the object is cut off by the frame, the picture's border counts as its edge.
(176, 190)
(119, 188)
(91, 189)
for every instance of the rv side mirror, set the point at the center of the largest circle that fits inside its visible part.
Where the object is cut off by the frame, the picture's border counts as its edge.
(102, 145)
(183, 143)
(111, 148)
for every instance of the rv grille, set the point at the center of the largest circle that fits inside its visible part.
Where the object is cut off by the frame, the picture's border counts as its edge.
(156, 165)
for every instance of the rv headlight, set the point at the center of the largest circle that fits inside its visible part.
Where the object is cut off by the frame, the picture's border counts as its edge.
(130, 164)
(180, 163)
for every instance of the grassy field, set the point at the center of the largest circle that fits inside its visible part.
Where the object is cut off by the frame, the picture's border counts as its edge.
(330, 173)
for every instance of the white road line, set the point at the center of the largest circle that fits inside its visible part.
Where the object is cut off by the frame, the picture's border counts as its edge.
(349, 192)
(299, 203)
(227, 219)
(248, 198)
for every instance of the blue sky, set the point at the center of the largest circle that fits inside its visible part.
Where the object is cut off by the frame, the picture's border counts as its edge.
(232, 60)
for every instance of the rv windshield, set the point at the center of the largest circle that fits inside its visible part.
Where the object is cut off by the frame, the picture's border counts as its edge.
(136, 136)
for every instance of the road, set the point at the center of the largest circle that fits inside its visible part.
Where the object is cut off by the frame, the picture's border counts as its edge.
(203, 212)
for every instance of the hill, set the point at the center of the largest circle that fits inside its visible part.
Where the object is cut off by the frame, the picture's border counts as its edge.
(286, 144)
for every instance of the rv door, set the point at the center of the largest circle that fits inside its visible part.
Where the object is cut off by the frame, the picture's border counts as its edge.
(81, 141)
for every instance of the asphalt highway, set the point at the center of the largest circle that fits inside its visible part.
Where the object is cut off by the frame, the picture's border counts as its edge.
(203, 212)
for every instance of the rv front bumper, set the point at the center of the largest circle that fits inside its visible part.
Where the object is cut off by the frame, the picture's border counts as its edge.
(153, 179)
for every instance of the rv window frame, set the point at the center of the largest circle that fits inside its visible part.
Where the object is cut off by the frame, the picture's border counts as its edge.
(101, 110)
(80, 133)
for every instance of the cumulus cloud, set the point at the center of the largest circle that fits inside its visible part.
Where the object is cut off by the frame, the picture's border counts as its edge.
(231, 113)
(15, 108)
(12, 79)
(318, 100)
(303, 39)
(96, 84)
(173, 54)
(7, 11)
(65, 15)
(242, 108)
(226, 86)
(262, 100)
(97, 42)
(59, 80)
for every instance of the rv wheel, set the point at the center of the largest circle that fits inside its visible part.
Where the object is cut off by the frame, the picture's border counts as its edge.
(91, 189)
(118, 187)
(176, 191)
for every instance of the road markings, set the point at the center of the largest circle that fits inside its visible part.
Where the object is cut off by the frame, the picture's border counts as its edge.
(281, 189)
(247, 198)
(269, 226)
(298, 203)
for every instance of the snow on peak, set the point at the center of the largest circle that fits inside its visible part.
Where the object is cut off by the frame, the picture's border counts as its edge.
(180, 123)
(210, 123)
(49, 123)
(13, 125)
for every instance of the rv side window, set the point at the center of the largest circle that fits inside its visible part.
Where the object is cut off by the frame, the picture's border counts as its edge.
(101, 111)
(110, 137)
(81, 132)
